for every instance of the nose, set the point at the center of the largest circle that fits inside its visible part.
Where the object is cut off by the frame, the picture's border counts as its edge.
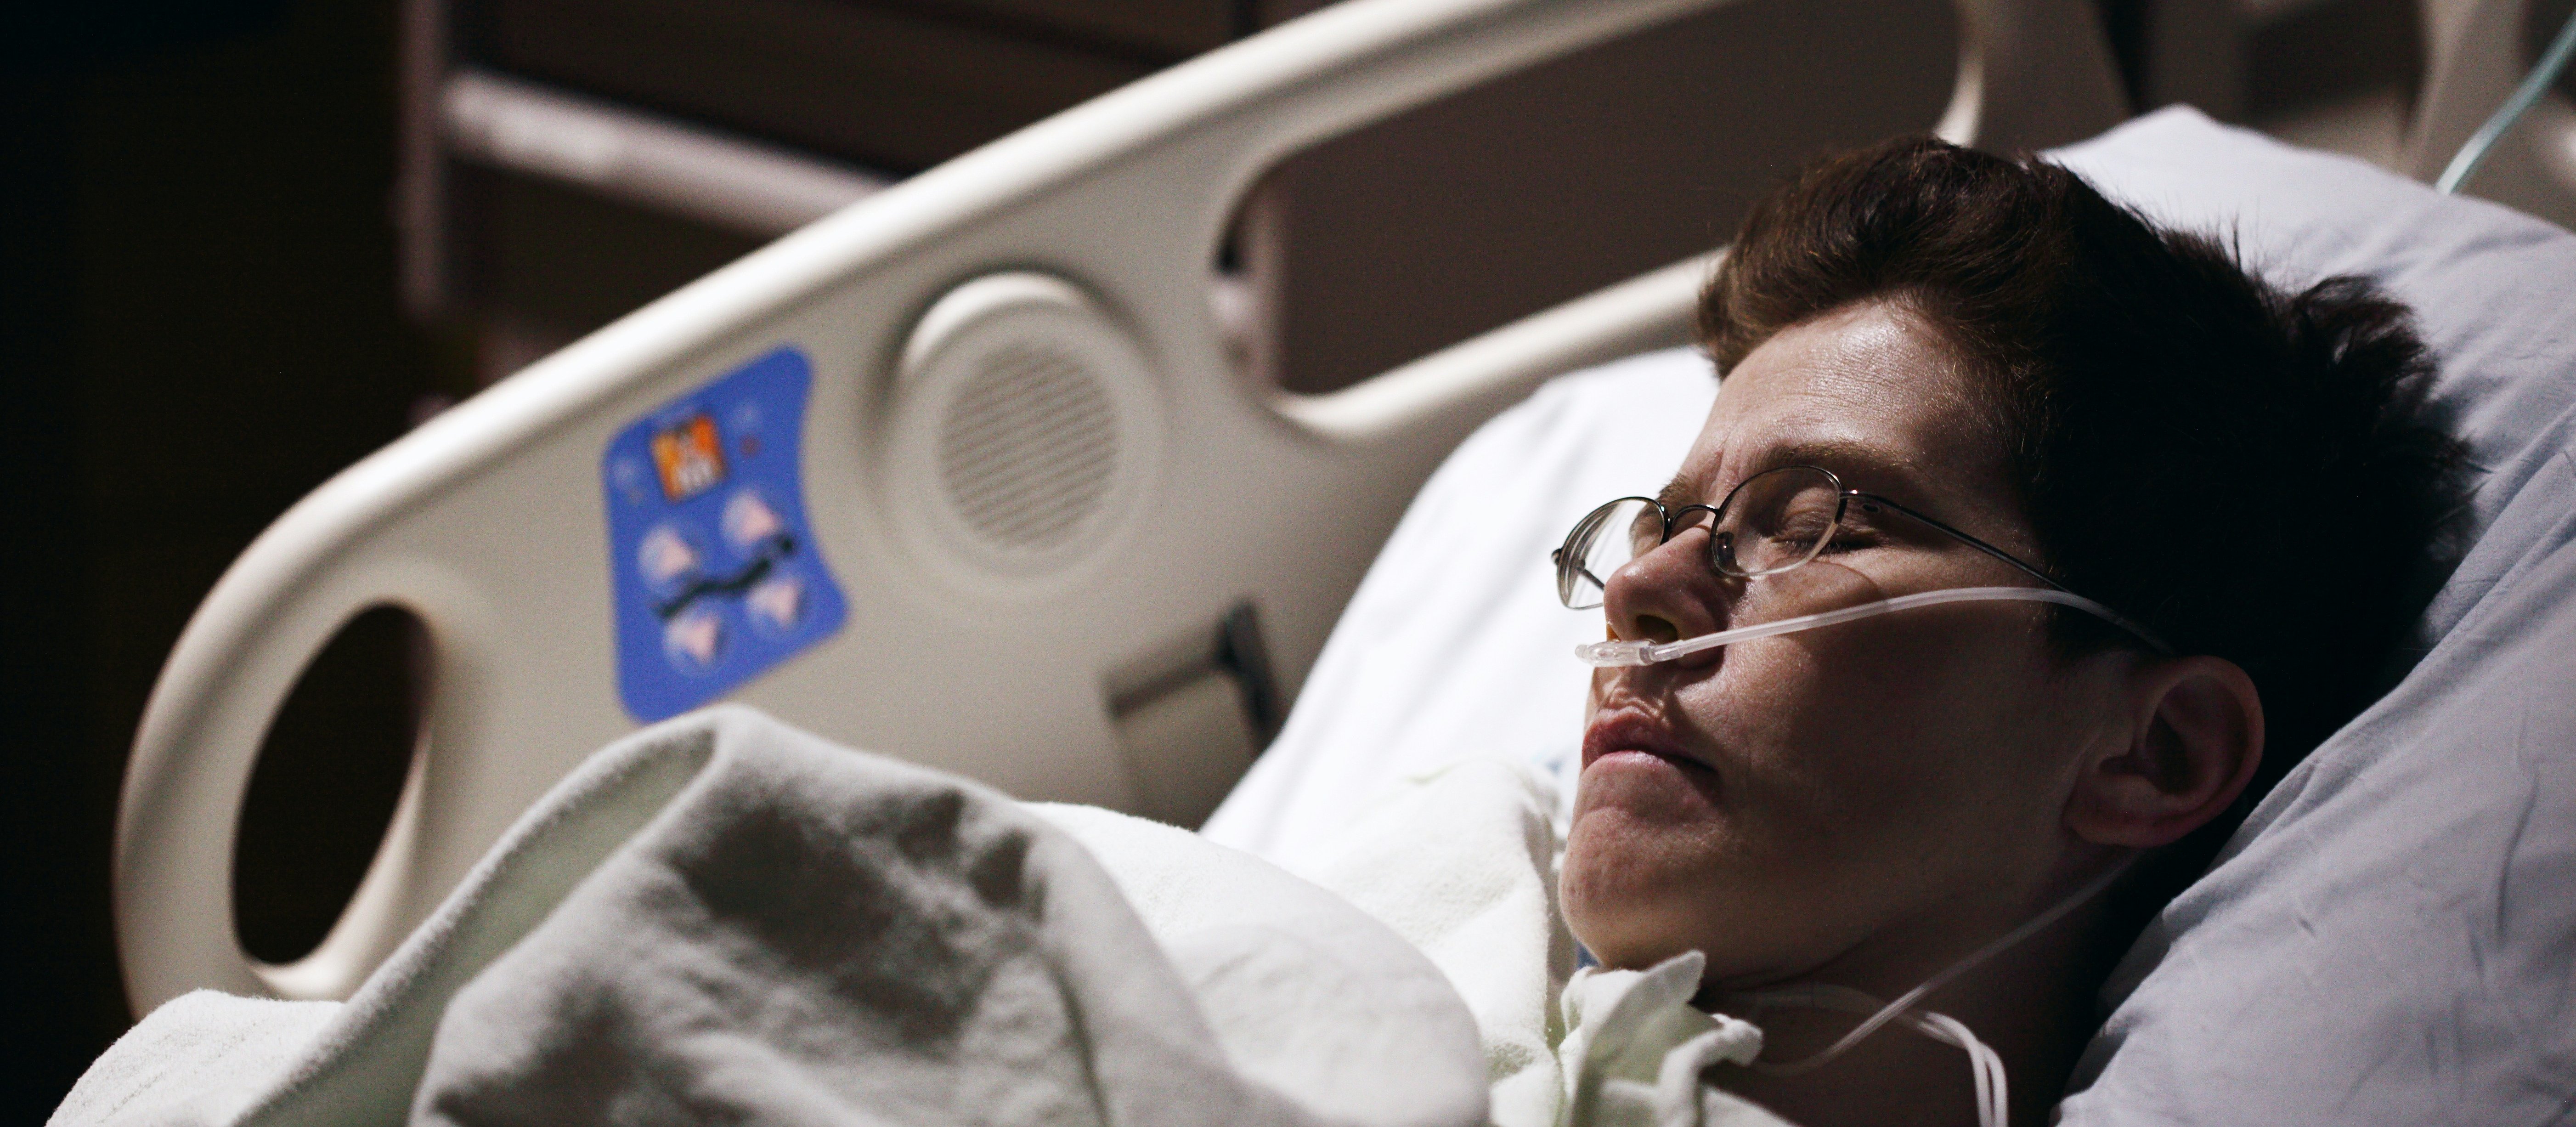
(1668, 594)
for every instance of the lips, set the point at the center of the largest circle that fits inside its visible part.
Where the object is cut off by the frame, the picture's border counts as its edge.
(1615, 730)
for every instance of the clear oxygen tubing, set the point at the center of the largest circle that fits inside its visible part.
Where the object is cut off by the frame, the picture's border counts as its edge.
(1993, 1102)
(2464, 163)
(1612, 653)
(1986, 1067)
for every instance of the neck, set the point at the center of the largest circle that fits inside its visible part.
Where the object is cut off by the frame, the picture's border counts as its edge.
(2032, 1003)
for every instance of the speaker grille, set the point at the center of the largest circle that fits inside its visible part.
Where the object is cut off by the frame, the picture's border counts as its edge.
(1028, 449)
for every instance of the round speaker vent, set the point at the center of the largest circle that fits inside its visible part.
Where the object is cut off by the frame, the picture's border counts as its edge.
(1028, 449)
(1025, 432)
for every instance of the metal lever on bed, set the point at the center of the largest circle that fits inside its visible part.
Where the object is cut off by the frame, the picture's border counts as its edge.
(966, 600)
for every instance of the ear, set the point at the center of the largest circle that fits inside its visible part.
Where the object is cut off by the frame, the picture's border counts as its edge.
(2195, 736)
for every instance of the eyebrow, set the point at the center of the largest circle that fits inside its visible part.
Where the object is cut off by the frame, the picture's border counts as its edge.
(1869, 465)
(1676, 493)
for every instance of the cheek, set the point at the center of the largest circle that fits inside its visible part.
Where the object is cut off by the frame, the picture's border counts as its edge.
(1897, 735)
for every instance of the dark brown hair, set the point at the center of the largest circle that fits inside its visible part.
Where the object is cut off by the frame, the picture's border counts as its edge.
(2249, 472)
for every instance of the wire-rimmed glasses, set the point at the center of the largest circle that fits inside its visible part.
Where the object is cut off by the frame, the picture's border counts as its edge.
(1770, 523)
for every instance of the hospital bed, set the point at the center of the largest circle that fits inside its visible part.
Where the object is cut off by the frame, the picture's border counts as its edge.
(961, 473)
(1058, 566)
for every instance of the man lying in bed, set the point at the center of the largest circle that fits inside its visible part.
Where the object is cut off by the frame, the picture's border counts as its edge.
(1942, 370)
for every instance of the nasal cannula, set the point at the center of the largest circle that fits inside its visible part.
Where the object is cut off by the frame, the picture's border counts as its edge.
(1615, 652)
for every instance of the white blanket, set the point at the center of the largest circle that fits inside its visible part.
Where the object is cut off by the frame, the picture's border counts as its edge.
(723, 918)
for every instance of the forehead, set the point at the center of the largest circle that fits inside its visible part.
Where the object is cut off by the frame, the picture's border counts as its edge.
(1868, 392)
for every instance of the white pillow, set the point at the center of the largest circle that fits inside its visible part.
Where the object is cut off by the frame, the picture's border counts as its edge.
(2392, 936)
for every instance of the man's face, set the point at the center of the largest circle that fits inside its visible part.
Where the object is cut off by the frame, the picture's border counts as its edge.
(1787, 802)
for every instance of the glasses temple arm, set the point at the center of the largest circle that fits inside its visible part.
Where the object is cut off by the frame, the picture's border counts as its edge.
(1556, 556)
(2117, 619)
(1962, 537)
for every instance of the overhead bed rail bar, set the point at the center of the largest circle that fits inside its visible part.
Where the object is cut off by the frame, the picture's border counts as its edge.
(1090, 236)
(748, 186)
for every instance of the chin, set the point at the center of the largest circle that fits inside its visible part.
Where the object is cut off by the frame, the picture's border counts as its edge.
(1633, 907)
(1637, 890)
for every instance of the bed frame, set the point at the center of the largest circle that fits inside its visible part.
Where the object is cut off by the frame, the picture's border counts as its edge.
(1222, 524)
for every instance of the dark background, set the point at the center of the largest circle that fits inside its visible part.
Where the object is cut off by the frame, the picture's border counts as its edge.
(198, 288)
(200, 327)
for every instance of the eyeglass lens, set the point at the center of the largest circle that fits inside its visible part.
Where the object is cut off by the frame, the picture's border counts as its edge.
(1771, 523)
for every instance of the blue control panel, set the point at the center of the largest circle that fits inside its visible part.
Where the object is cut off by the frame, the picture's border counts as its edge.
(716, 572)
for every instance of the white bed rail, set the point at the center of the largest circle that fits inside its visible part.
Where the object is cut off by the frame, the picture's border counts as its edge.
(488, 522)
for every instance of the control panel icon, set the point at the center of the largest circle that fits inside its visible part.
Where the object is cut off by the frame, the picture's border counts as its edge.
(689, 456)
(718, 578)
